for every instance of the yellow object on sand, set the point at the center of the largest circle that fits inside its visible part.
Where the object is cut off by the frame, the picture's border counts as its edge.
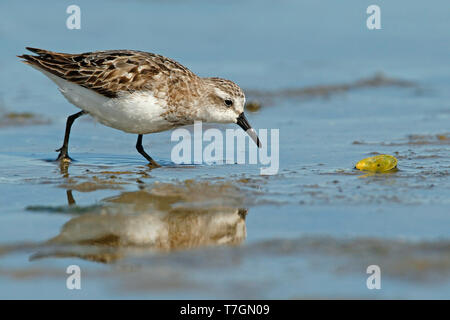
(380, 163)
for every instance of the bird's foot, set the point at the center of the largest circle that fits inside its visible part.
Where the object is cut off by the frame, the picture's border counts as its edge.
(153, 164)
(64, 158)
(63, 155)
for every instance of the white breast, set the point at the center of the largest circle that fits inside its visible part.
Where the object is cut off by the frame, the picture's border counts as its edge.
(138, 112)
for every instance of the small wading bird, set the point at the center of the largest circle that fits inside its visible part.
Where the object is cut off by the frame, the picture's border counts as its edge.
(139, 92)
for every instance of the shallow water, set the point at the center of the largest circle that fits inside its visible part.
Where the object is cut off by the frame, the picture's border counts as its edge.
(218, 230)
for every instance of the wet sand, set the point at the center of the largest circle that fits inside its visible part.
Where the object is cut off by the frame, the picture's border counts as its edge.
(219, 230)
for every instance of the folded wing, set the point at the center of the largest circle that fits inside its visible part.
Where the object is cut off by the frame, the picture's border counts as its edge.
(108, 72)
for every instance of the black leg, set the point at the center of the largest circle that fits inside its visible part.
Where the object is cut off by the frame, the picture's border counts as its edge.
(141, 150)
(63, 151)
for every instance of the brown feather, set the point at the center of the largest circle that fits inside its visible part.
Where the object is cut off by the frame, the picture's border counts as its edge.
(108, 72)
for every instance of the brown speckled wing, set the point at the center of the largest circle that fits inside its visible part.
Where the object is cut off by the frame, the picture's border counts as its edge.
(110, 72)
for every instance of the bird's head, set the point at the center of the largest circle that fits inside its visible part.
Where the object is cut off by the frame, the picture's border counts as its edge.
(224, 103)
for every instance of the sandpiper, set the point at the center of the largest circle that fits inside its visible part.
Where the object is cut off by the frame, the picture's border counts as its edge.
(139, 92)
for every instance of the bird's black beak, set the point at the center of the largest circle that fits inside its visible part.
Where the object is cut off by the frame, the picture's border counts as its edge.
(243, 123)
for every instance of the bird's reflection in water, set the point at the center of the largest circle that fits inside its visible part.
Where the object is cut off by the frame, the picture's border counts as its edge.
(140, 222)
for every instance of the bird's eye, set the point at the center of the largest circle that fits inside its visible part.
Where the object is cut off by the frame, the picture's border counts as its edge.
(229, 102)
